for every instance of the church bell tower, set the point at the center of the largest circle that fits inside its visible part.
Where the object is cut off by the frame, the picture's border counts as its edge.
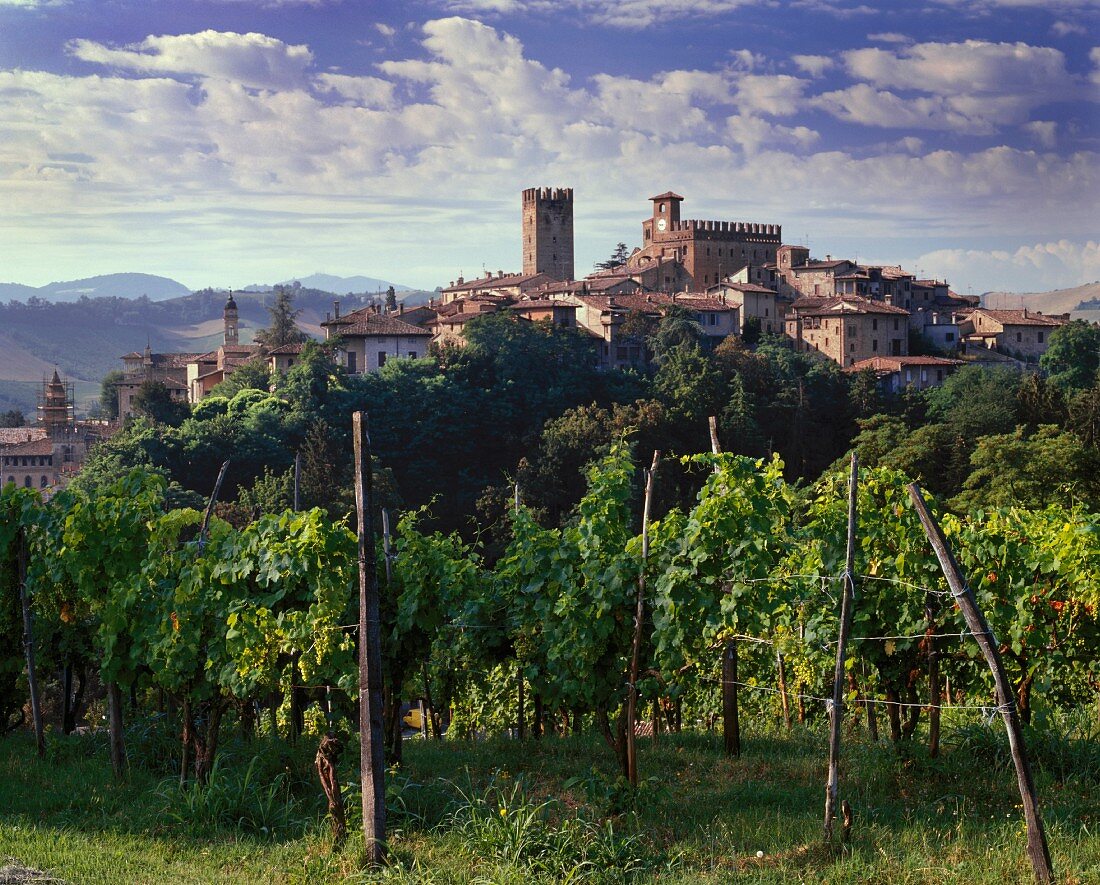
(229, 314)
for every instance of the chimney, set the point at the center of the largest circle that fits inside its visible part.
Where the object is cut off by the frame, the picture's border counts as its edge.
(500, 274)
(828, 257)
(336, 310)
(1025, 313)
(400, 308)
(328, 317)
(461, 281)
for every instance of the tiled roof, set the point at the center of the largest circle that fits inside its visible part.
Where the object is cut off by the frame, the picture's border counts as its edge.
(365, 322)
(459, 319)
(745, 287)
(507, 281)
(1019, 317)
(286, 349)
(10, 436)
(543, 304)
(34, 447)
(703, 302)
(897, 363)
(667, 195)
(843, 305)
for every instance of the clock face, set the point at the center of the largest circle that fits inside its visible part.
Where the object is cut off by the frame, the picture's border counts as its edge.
(661, 224)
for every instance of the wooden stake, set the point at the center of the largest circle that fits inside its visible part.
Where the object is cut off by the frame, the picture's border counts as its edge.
(297, 478)
(116, 736)
(847, 599)
(28, 648)
(521, 713)
(204, 531)
(1037, 849)
(781, 667)
(930, 605)
(371, 738)
(636, 650)
(731, 721)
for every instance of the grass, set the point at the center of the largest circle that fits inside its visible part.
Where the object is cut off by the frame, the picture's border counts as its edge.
(502, 811)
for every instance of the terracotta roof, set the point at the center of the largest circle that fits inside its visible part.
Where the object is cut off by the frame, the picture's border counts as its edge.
(744, 287)
(542, 304)
(507, 281)
(459, 319)
(365, 322)
(287, 349)
(1019, 317)
(821, 265)
(703, 302)
(34, 447)
(10, 436)
(842, 305)
(897, 363)
(667, 195)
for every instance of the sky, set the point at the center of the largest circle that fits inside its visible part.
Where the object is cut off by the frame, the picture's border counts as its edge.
(228, 142)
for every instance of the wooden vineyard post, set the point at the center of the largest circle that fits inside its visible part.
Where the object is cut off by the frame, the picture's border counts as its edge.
(933, 677)
(297, 478)
(521, 712)
(371, 763)
(832, 785)
(1037, 849)
(636, 649)
(28, 648)
(731, 722)
(782, 669)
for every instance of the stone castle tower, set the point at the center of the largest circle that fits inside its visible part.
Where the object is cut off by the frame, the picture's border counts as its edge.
(548, 231)
(229, 314)
(55, 404)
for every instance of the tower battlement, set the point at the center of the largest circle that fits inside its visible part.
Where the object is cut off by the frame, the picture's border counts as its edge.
(548, 231)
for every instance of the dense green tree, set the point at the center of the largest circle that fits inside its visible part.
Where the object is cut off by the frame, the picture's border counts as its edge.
(1073, 356)
(254, 374)
(975, 401)
(282, 329)
(618, 258)
(155, 402)
(108, 393)
(391, 299)
(12, 418)
(678, 328)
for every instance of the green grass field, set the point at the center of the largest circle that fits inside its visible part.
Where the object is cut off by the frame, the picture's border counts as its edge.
(502, 811)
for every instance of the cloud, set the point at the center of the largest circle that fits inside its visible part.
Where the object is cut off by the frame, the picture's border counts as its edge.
(814, 65)
(1059, 264)
(629, 14)
(384, 29)
(1064, 29)
(182, 143)
(889, 37)
(1043, 131)
(254, 60)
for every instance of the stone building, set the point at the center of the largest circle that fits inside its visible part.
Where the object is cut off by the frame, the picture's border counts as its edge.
(848, 329)
(169, 369)
(368, 339)
(548, 232)
(758, 305)
(895, 373)
(707, 250)
(499, 285)
(1022, 334)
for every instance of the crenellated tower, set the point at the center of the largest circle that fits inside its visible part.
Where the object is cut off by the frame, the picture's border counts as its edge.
(548, 231)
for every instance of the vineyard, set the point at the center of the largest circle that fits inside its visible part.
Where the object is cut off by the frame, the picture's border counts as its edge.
(642, 633)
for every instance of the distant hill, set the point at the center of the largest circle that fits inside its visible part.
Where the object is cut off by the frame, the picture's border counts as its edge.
(338, 285)
(115, 285)
(1080, 300)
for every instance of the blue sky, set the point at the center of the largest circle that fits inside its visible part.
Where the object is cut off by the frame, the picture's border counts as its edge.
(223, 142)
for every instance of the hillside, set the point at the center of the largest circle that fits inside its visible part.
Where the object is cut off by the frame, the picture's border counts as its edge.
(1057, 301)
(115, 285)
(84, 339)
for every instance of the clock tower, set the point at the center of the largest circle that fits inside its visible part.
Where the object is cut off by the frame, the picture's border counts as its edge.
(666, 212)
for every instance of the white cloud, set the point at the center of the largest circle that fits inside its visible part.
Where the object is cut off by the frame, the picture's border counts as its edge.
(630, 14)
(1043, 131)
(889, 37)
(1060, 264)
(439, 144)
(251, 59)
(1064, 29)
(814, 65)
(384, 29)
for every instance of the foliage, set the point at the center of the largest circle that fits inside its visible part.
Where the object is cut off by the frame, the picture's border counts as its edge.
(282, 328)
(1072, 357)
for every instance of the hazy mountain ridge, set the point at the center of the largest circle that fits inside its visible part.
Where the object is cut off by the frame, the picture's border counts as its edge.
(1077, 299)
(115, 285)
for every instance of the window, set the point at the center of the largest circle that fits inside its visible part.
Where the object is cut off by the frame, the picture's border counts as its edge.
(1040, 334)
(949, 336)
(621, 354)
(412, 354)
(895, 325)
(351, 362)
(874, 325)
(27, 481)
(766, 311)
(43, 483)
(381, 358)
(714, 319)
(852, 347)
(939, 374)
(874, 344)
(1019, 337)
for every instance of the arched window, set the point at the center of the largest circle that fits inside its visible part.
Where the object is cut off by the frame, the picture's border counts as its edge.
(27, 482)
(43, 482)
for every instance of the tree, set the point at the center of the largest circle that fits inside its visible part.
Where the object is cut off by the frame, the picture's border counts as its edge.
(155, 401)
(391, 300)
(108, 396)
(283, 328)
(617, 259)
(678, 328)
(1073, 357)
(15, 418)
